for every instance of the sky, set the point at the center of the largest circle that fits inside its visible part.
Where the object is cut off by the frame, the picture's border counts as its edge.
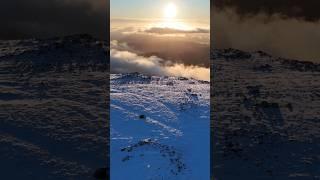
(49, 18)
(149, 9)
(161, 37)
(282, 28)
(286, 28)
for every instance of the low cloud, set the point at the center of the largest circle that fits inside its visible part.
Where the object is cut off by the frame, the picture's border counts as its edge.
(159, 30)
(192, 49)
(127, 62)
(134, 48)
(288, 9)
(289, 38)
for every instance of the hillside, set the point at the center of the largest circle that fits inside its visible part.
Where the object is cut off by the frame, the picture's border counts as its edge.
(53, 109)
(266, 117)
(159, 127)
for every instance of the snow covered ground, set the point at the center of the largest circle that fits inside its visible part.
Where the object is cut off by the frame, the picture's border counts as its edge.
(53, 117)
(159, 128)
(266, 117)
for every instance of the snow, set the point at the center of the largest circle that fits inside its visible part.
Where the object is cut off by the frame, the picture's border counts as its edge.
(171, 140)
(265, 117)
(53, 118)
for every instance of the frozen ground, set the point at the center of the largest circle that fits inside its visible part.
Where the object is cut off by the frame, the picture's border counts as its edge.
(159, 128)
(266, 117)
(53, 110)
(53, 117)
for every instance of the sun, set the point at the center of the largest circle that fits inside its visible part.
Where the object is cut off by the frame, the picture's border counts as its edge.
(170, 11)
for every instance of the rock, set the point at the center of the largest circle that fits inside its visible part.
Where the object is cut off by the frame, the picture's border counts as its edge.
(142, 116)
(101, 174)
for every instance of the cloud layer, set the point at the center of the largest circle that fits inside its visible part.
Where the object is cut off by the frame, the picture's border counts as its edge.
(181, 46)
(159, 30)
(123, 61)
(289, 38)
(160, 48)
(307, 10)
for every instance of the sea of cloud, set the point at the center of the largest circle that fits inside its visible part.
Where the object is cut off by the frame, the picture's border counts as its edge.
(125, 61)
(276, 34)
(156, 50)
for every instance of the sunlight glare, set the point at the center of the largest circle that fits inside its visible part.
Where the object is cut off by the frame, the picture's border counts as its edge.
(170, 11)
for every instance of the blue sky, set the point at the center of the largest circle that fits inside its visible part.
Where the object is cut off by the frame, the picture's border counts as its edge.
(154, 8)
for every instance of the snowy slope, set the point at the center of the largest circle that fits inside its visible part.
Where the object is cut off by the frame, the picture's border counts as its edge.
(53, 117)
(159, 128)
(266, 117)
(265, 120)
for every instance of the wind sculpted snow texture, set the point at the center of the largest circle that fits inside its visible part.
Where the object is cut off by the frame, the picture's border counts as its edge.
(53, 111)
(160, 128)
(266, 117)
